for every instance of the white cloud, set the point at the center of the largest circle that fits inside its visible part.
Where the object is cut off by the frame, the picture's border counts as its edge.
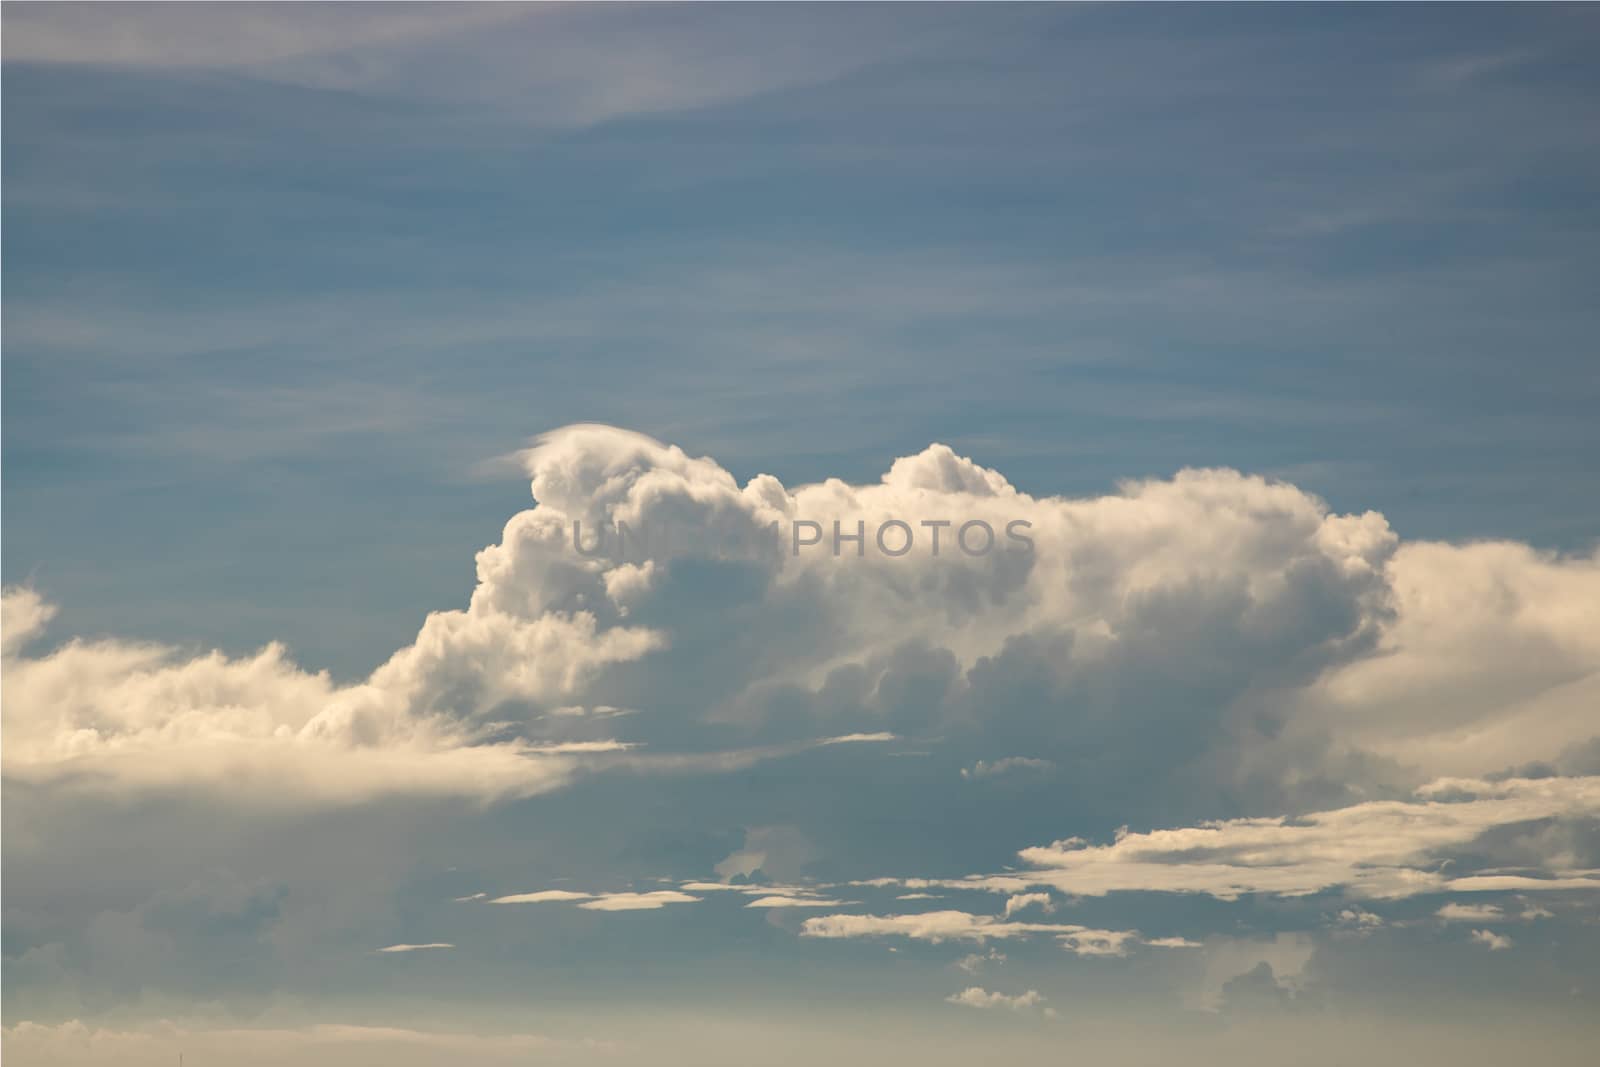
(1577, 880)
(1492, 941)
(1088, 942)
(714, 887)
(850, 739)
(794, 902)
(119, 716)
(416, 948)
(1358, 919)
(1470, 913)
(600, 711)
(936, 927)
(23, 616)
(542, 896)
(649, 901)
(932, 926)
(975, 962)
(1025, 900)
(1491, 659)
(978, 997)
(659, 898)
(727, 887)
(1377, 849)
(1009, 765)
(1285, 955)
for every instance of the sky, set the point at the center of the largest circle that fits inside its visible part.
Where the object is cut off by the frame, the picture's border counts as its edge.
(1261, 338)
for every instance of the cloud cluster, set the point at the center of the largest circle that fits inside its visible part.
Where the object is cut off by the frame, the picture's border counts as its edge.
(1211, 646)
(1379, 849)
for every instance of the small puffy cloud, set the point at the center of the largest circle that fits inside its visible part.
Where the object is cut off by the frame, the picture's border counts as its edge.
(1469, 913)
(1357, 919)
(416, 948)
(1171, 942)
(659, 898)
(599, 711)
(23, 615)
(542, 896)
(1275, 963)
(975, 962)
(932, 926)
(856, 739)
(755, 889)
(936, 927)
(978, 997)
(1026, 900)
(938, 469)
(793, 902)
(649, 901)
(731, 887)
(1111, 942)
(1492, 941)
(780, 852)
(1009, 765)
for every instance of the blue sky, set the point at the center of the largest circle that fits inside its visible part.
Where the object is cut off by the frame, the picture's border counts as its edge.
(299, 300)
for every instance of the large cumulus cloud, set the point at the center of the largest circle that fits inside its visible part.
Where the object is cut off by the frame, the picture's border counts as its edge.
(1196, 629)
(1261, 689)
